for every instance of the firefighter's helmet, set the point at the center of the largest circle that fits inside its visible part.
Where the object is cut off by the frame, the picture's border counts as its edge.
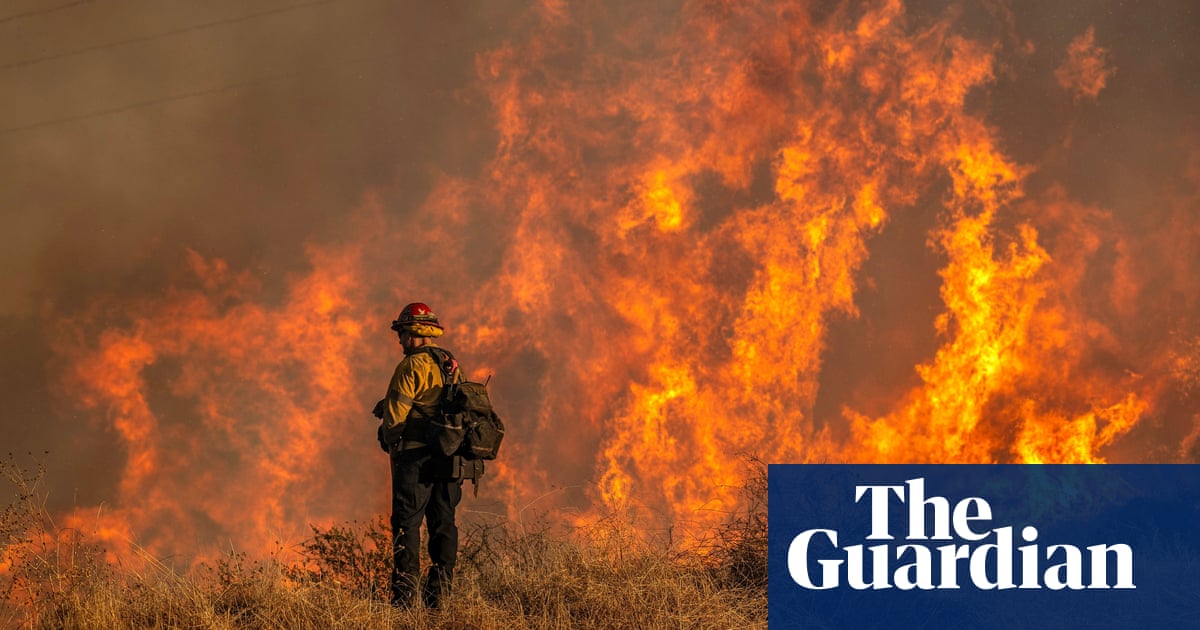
(417, 313)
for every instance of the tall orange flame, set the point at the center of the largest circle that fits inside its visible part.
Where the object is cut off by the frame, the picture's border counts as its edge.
(679, 208)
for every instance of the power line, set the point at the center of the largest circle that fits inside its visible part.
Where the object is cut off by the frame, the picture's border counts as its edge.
(253, 82)
(146, 38)
(60, 7)
(201, 93)
(141, 104)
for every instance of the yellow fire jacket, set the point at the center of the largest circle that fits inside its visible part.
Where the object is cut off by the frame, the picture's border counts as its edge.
(412, 398)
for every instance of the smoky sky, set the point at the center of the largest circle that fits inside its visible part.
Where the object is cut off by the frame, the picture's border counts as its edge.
(133, 132)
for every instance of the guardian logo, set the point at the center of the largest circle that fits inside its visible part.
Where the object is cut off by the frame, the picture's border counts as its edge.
(915, 561)
(983, 546)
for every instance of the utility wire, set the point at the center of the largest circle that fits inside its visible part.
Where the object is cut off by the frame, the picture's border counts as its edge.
(141, 104)
(60, 7)
(204, 92)
(253, 82)
(146, 38)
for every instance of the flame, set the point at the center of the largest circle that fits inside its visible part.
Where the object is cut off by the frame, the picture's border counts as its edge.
(676, 220)
(1086, 70)
(240, 436)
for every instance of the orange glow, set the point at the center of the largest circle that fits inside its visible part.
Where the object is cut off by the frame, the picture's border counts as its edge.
(673, 235)
(1086, 70)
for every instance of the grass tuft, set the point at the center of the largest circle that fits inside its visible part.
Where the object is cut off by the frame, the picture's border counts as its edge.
(605, 575)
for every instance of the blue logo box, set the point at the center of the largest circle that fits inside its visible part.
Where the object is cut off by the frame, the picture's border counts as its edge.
(984, 546)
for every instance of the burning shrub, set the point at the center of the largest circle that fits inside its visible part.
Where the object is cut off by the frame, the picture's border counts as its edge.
(737, 551)
(44, 568)
(357, 558)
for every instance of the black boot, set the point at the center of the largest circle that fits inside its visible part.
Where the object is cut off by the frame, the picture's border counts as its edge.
(437, 586)
(404, 590)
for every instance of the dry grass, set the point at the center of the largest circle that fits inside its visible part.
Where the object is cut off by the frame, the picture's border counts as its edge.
(603, 576)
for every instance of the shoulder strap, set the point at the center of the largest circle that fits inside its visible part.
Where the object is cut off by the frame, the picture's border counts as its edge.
(437, 353)
(445, 362)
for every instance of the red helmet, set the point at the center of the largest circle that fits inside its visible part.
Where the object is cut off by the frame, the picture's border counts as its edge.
(416, 313)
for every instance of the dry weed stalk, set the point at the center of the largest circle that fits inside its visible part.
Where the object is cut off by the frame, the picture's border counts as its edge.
(606, 575)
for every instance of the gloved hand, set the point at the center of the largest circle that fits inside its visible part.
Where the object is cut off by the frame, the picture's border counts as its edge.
(379, 407)
(382, 443)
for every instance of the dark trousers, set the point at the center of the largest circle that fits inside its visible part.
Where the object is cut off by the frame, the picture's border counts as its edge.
(420, 489)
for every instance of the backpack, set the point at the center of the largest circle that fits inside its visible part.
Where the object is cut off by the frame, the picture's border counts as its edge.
(466, 425)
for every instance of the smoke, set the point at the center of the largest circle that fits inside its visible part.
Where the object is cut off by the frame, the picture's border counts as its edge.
(677, 236)
(1086, 70)
(137, 132)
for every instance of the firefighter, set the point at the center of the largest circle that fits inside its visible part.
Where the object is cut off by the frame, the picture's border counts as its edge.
(423, 484)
